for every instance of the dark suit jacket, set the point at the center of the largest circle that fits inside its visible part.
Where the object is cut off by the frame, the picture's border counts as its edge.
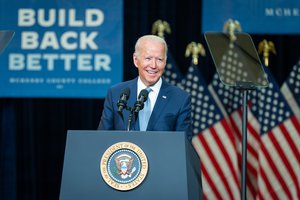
(171, 112)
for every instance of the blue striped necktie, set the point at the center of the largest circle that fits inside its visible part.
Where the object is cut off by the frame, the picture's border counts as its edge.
(145, 114)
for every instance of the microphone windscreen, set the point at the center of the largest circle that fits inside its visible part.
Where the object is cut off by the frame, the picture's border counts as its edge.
(144, 93)
(126, 92)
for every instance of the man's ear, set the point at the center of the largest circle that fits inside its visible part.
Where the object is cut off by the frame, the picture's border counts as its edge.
(134, 57)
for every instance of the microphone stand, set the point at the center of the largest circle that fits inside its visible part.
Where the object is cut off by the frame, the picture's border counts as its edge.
(129, 120)
(134, 110)
(244, 87)
(139, 105)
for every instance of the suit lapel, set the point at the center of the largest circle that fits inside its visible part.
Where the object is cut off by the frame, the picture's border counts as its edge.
(160, 104)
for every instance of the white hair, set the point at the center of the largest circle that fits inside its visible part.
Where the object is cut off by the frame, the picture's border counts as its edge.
(150, 37)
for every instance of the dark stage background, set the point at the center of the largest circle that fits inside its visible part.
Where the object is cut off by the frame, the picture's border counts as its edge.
(33, 131)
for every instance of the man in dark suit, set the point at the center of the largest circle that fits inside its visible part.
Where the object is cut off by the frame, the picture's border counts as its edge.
(170, 106)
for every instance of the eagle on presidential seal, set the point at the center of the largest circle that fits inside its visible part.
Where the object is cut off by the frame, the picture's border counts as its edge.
(124, 164)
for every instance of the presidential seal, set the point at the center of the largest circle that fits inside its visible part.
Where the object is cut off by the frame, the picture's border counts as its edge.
(124, 166)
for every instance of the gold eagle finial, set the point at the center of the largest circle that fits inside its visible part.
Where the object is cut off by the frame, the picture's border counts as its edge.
(265, 47)
(232, 26)
(160, 27)
(194, 49)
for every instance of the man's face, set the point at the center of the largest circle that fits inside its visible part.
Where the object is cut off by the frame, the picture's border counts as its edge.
(150, 61)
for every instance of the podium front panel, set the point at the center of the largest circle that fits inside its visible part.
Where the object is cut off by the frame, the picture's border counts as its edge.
(167, 176)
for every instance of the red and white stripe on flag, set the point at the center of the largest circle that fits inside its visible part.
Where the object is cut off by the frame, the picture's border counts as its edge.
(279, 152)
(279, 162)
(291, 89)
(229, 101)
(216, 149)
(213, 141)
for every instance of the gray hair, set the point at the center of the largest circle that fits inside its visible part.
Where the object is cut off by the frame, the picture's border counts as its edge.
(151, 37)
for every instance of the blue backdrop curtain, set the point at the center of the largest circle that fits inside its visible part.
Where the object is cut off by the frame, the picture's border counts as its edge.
(33, 131)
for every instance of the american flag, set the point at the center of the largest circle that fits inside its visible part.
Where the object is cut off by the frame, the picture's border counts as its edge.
(213, 141)
(233, 69)
(291, 89)
(172, 73)
(230, 101)
(279, 152)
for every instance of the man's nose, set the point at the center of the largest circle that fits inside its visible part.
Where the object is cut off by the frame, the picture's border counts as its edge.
(154, 63)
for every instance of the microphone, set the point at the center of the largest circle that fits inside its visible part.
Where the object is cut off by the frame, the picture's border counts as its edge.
(122, 103)
(139, 104)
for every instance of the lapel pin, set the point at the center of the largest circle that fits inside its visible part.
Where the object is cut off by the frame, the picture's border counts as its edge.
(164, 97)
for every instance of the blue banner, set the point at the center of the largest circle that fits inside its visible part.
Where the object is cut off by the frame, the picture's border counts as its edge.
(61, 48)
(254, 16)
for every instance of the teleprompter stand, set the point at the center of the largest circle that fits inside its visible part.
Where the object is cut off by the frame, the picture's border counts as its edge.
(238, 65)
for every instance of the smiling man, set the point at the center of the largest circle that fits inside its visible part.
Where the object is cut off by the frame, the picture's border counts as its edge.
(168, 107)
